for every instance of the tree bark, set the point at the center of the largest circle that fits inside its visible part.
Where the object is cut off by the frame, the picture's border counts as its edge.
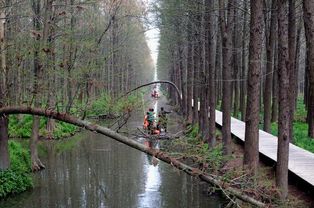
(274, 111)
(189, 70)
(284, 109)
(211, 78)
(292, 64)
(196, 55)
(269, 65)
(244, 65)
(226, 33)
(308, 11)
(4, 137)
(251, 150)
(38, 73)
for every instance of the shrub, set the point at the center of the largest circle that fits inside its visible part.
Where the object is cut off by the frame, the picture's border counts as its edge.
(16, 179)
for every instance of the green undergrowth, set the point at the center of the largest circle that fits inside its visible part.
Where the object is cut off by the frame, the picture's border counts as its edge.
(191, 150)
(107, 105)
(18, 177)
(300, 136)
(300, 128)
(192, 146)
(21, 127)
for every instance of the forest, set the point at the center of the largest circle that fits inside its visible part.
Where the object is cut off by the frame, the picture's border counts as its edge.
(251, 59)
(64, 62)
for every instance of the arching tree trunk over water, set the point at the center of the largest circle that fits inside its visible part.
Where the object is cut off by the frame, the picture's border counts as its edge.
(284, 109)
(251, 151)
(308, 11)
(226, 33)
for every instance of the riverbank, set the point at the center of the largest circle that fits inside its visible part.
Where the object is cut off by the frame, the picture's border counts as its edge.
(191, 150)
(18, 178)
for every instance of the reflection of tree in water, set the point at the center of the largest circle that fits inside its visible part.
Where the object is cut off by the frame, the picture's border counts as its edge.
(154, 145)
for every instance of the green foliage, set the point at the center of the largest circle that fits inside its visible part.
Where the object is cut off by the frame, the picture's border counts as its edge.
(300, 137)
(106, 105)
(300, 114)
(212, 156)
(19, 157)
(63, 129)
(193, 131)
(16, 179)
(22, 128)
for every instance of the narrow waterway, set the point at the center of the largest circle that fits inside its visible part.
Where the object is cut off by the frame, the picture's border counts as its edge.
(100, 172)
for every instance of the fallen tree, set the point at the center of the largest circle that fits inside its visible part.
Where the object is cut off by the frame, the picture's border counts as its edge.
(132, 143)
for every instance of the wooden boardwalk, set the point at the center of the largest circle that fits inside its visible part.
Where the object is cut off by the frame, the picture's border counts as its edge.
(301, 162)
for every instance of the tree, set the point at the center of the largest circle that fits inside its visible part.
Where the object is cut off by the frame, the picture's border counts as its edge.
(226, 33)
(270, 32)
(38, 74)
(284, 109)
(308, 12)
(211, 73)
(251, 150)
(4, 121)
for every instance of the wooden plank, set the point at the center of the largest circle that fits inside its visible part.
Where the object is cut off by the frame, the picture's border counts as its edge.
(301, 162)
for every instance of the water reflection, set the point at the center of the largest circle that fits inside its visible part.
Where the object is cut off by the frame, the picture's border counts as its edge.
(151, 196)
(100, 172)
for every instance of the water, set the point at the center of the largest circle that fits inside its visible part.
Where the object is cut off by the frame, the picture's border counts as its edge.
(100, 172)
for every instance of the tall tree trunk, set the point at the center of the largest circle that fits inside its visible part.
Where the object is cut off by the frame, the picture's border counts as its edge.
(36, 163)
(244, 65)
(196, 54)
(292, 65)
(189, 70)
(4, 137)
(226, 33)
(284, 110)
(211, 78)
(251, 151)
(236, 59)
(274, 111)
(308, 11)
(269, 65)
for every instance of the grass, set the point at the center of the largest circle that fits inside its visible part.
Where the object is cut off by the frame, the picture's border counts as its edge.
(300, 128)
(21, 126)
(17, 178)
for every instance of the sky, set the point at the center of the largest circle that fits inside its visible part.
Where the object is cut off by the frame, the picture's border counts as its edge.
(152, 35)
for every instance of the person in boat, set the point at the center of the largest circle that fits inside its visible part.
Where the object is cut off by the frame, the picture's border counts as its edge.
(163, 120)
(146, 123)
(150, 119)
